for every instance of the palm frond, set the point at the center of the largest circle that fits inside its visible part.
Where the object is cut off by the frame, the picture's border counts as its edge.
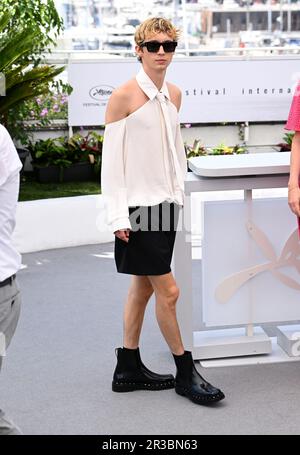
(18, 46)
(25, 76)
(33, 83)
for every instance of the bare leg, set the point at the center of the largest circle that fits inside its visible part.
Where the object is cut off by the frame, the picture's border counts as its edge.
(167, 293)
(130, 372)
(139, 294)
(188, 381)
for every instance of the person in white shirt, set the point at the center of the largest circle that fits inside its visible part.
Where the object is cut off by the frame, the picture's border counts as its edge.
(10, 259)
(142, 179)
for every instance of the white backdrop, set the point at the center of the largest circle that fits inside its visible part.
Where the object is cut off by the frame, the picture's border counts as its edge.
(228, 249)
(213, 90)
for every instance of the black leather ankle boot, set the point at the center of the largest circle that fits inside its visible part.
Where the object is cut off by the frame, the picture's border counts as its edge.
(191, 384)
(131, 374)
(157, 376)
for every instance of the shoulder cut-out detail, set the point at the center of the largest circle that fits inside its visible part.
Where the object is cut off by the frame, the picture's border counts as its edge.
(138, 109)
(129, 115)
(174, 106)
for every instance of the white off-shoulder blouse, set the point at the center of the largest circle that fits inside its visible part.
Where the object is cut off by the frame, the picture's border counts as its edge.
(143, 157)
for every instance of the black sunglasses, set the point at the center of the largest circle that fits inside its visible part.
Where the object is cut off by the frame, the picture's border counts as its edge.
(154, 46)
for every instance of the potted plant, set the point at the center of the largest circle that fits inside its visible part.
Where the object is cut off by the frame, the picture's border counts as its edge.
(49, 158)
(198, 149)
(286, 146)
(75, 159)
(88, 147)
(222, 149)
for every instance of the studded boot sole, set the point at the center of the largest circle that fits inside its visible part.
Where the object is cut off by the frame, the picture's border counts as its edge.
(199, 399)
(118, 386)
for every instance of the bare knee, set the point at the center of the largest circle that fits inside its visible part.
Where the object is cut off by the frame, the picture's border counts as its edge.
(141, 288)
(166, 290)
(169, 297)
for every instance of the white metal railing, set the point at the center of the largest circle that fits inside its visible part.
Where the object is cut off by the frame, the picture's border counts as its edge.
(64, 56)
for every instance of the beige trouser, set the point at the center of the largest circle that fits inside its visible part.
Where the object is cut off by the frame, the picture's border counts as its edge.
(10, 305)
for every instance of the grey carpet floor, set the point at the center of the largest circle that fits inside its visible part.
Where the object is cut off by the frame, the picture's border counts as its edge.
(56, 378)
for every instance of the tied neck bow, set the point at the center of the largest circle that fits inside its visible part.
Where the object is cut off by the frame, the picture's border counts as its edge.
(165, 111)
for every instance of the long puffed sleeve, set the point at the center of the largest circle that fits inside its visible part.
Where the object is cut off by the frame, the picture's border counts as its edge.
(113, 184)
(181, 151)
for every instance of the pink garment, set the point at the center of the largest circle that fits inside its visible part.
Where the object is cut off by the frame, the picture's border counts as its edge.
(293, 121)
(299, 218)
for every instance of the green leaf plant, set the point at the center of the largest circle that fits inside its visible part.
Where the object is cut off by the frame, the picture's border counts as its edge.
(28, 29)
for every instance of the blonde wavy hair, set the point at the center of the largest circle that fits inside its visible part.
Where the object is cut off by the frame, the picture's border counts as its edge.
(155, 25)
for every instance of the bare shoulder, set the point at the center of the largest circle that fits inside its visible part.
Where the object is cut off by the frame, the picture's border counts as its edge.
(118, 105)
(175, 94)
(173, 88)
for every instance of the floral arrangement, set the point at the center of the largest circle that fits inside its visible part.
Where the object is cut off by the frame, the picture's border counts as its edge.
(198, 149)
(50, 106)
(40, 111)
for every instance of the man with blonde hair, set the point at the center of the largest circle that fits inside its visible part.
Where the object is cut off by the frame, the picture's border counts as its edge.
(143, 171)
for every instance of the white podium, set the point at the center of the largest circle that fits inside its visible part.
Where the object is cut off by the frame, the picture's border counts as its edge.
(223, 173)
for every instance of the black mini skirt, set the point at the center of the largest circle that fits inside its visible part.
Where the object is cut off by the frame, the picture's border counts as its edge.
(151, 241)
